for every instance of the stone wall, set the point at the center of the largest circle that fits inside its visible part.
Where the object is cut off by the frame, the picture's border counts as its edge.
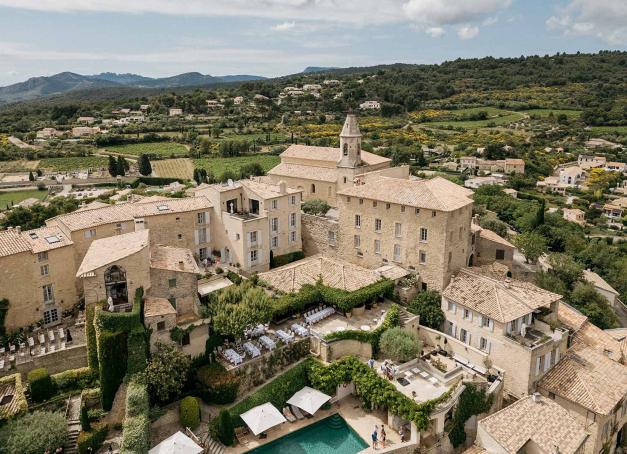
(59, 361)
(315, 231)
(331, 351)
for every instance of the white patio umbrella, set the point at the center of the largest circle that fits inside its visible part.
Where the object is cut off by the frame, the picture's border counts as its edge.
(309, 399)
(262, 417)
(179, 443)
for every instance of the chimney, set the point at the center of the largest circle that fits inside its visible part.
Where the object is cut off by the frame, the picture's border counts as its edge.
(535, 397)
(282, 187)
(18, 229)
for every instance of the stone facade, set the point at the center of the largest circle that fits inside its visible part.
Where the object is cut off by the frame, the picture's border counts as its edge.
(321, 235)
(445, 249)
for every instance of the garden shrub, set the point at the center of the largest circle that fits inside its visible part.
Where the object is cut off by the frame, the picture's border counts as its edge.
(427, 305)
(112, 357)
(392, 319)
(90, 335)
(34, 433)
(399, 344)
(221, 428)
(92, 439)
(136, 427)
(81, 378)
(189, 412)
(216, 385)
(316, 207)
(41, 385)
(166, 373)
(85, 423)
(137, 350)
(233, 277)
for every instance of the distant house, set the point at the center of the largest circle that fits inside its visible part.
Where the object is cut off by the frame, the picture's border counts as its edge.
(615, 209)
(86, 120)
(48, 133)
(572, 176)
(144, 107)
(552, 184)
(616, 167)
(590, 162)
(574, 215)
(474, 183)
(175, 111)
(81, 131)
(312, 87)
(260, 98)
(606, 290)
(214, 104)
(331, 82)
(372, 105)
(238, 100)
(510, 165)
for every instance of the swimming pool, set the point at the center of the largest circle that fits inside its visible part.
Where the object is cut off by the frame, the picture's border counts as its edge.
(331, 435)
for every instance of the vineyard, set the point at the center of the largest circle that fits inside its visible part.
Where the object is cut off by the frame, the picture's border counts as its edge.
(73, 163)
(182, 168)
(18, 166)
(154, 148)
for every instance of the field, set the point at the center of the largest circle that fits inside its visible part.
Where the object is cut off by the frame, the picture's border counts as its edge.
(18, 166)
(73, 163)
(622, 130)
(17, 196)
(182, 168)
(218, 165)
(475, 124)
(156, 148)
(544, 113)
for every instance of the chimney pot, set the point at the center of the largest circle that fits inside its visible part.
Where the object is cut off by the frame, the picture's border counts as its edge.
(18, 229)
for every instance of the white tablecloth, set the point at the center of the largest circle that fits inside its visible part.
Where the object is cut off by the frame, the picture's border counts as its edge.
(250, 348)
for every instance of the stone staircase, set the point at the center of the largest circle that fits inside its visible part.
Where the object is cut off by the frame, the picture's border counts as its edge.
(72, 415)
(405, 315)
(213, 446)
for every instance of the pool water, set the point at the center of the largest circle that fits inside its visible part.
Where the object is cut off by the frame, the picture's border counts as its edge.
(330, 435)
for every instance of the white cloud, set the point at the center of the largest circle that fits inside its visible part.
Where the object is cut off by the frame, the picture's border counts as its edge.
(284, 26)
(434, 32)
(447, 12)
(604, 19)
(467, 32)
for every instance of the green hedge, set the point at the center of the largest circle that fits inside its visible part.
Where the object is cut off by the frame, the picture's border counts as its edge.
(112, 357)
(94, 438)
(373, 390)
(121, 321)
(216, 385)
(90, 335)
(221, 428)
(136, 427)
(81, 378)
(41, 385)
(319, 293)
(189, 412)
(137, 350)
(280, 260)
(277, 392)
(392, 319)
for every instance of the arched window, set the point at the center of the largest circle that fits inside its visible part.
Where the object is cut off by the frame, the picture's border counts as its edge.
(115, 284)
(345, 149)
(313, 188)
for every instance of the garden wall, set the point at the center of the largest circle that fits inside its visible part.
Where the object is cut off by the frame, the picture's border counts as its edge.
(330, 351)
(59, 361)
(315, 230)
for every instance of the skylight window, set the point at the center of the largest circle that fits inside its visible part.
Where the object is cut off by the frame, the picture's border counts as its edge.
(53, 239)
(33, 235)
(163, 207)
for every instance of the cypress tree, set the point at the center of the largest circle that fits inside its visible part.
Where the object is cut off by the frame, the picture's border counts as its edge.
(145, 168)
(113, 166)
(121, 166)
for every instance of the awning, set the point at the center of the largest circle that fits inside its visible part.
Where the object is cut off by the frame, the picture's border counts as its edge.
(179, 443)
(309, 399)
(262, 418)
(207, 287)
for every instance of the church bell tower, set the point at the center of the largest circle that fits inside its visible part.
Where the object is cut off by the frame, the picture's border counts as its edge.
(350, 143)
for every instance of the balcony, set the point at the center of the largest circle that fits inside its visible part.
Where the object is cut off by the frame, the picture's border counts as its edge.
(536, 335)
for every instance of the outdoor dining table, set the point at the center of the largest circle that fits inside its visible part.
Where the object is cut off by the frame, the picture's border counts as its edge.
(300, 330)
(250, 348)
(233, 356)
(284, 336)
(269, 343)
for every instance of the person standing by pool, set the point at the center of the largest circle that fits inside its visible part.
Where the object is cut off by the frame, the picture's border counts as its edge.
(374, 438)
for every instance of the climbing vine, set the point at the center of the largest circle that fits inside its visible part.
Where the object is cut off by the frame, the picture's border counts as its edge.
(472, 401)
(4, 308)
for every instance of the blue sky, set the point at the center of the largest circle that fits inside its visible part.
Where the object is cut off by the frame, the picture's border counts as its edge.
(276, 37)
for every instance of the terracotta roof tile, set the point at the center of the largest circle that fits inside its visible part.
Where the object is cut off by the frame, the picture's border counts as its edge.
(328, 154)
(542, 422)
(305, 172)
(173, 259)
(108, 250)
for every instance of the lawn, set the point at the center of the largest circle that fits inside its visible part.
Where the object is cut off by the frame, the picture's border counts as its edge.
(218, 165)
(17, 196)
(182, 168)
(609, 129)
(73, 163)
(154, 148)
(475, 124)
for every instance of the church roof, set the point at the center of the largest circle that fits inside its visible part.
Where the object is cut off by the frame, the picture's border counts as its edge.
(330, 154)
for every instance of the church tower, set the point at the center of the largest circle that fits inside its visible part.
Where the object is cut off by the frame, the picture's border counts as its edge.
(350, 143)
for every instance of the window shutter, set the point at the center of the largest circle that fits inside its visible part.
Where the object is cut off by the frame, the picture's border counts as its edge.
(538, 362)
(469, 338)
(479, 319)
(491, 325)
(509, 327)
(470, 314)
(259, 256)
(454, 308)
(196, 239)
(557, 356)
(207, 217)
(489, 345)
(259, 237)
